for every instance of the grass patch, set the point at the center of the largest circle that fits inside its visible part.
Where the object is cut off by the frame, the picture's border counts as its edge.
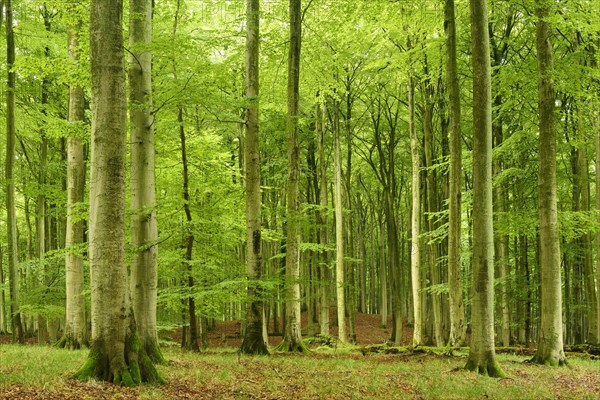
(42, 372)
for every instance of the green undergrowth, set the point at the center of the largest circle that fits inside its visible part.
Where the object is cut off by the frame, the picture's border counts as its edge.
(341, 372)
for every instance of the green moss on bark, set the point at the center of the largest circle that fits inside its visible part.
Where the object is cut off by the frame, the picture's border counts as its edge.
(287, 347)
(490, 368)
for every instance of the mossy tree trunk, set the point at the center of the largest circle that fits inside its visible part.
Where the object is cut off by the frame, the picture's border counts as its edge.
(482, 356)
(116, 353)
(253, 342)
(550, 343)
(144, 231)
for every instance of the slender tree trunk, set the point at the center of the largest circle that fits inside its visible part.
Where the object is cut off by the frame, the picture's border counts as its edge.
(253, 339)
(115, 353)
(482, 351)
(383, 273)
(323, 230)
(144, 230)
(75, 332)
(293, 336)
(550, 344)
(11, 212)
(415, 254)
(431, 205)
(3, 321)
(188, 241)
(340, 282)
(458, 326)
(596, 124)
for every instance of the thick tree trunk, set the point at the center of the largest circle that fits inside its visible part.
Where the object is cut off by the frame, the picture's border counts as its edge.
(340, 282)
(550, 343)
(415, 254)
(144, 230)
(115, 354)
(253, 339)
(458, 326)
(11, 211)
(75, 332)
(292, 340)
(482, 351)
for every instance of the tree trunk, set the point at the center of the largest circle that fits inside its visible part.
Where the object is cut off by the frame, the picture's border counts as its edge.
(11, 212)
(3, 321)
(144, 230)
(292, 340)
(253, 339)
(550, 343)
(415, 254)
(383, 273)
(75, 332)
(482, 351)
(340, 282)
(115, 353)
(596, 125)
(458, 326)
(323, 224)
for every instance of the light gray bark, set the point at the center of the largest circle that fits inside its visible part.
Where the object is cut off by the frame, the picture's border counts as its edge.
(415, 255)
(550, 343)
(323, 230)
(340, 281)
(75, 332)
(482, 356)
(458, 326)
(144, 230)
(115, 354)
(253, 342)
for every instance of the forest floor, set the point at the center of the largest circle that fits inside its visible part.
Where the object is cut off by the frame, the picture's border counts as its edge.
(338, 372)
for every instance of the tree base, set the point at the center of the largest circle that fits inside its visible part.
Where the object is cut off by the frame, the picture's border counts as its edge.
(549, 361)
(256, 347)
(133, 368)
(490, 368)
(153, 351)
(291, 347)
(70, 343)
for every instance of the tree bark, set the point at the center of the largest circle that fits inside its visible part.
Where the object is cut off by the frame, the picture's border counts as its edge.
(458, 326)
(550, 343)
(116, 353)
(253, 342)
(340, 282)
(75, 332)
(482, 356)
(11, 212)
(292, 340)
(415, 255)
(323, 223)
(144, 230)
